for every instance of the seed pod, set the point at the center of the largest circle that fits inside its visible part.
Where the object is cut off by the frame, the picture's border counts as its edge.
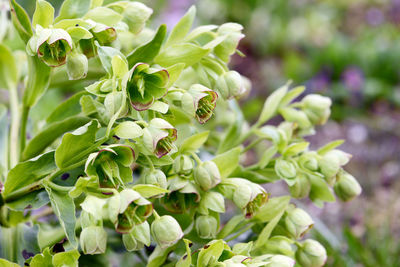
(297, 222)
(183, 165)
(311, 254)
(346, 186)
(207, 175)
(206, 226)
(166, 231)
(93, 240)
(77, 66)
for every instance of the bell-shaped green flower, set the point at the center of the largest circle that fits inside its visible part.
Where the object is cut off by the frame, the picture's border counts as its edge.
(297, 222)
(331, 162)
(308, 161)
(286, 170)
(301, 187)
(104, 34)
(138, 237)
(127, 209)
(111, 165)
(155, 177)
(230, 84)
(280, 261)
(183, 165)
(233, 34)
(184, 195)
(346, 186)
(145, 85)
(317, 108)
(206, 226)
(93, 240)
(159, 137)
(51, 45)
(77, 66)
(245, 194)
(200, 102)
(311, 254)
(166, 231)
(207, 175)
(135, 14)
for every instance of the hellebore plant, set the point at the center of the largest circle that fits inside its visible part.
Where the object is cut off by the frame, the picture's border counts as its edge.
(141, 162)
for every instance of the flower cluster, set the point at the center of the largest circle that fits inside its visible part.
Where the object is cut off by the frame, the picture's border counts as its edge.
(152, 150)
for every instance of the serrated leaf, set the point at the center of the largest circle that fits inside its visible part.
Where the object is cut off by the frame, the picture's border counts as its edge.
(182, 28)
(50, 134)
(64, 208)
(147, 52)
(186, 53)
(194, 142)
(44, 14)
(227, 162)
(76, 145)
(272, 103)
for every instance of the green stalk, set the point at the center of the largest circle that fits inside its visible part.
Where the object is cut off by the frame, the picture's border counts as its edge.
(14, 152)
(24, 122)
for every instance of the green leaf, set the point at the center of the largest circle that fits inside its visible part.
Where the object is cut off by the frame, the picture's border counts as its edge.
(104, 15)
(68, 108)
(182, 28)
(174, 72)
(148, 190)
(38, 81)
(3, 143)
(267, 230)
(44, 14)
(330, 146)
(7, 263)
(46, 137)
(106, 55)
(66, 259)
(186, 53)
(320, 190)
(8, 68)
(33, 200)
(210, 254)
(295, 149)
(64, 208)
(160, 106)
(71, 9)
(213, 201)
(272, 103)
(267, 156)
(194, 142)
(230, 226)
(292, 94)
(186, 260)
(128, 130)
(158, 256)
(147, 52)
(42, 260)
(21, 21)
(28, 172)
(76, 145)
(231, 137)
(271, 209)
(227, 162)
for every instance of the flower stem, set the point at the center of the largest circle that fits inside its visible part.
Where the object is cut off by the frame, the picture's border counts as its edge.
(14, 152)
(24, 122)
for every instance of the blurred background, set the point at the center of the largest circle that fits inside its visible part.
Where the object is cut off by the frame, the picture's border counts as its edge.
(350, 51)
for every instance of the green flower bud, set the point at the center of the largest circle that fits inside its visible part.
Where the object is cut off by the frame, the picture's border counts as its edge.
(286, 170)
(166, 231)
(93, 240)
(233, 33)
(105, 35)
(183, 165)
(111, 165)
(77, 66)
(301, 188)
(51, 45)
(311, 254)
(309, 161)
(230, 85)
(155, 177)
(159, 137)
(331, 162)
(206, 226)
(297, 116)
(317, 108)
(207, 175)
(297, 222)
(280, 261)
(346, 186)
(145, 85)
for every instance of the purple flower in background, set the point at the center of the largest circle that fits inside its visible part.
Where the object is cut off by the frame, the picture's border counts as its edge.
(320, 81)
(374, 16)
(174, 11)
(353, 78)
